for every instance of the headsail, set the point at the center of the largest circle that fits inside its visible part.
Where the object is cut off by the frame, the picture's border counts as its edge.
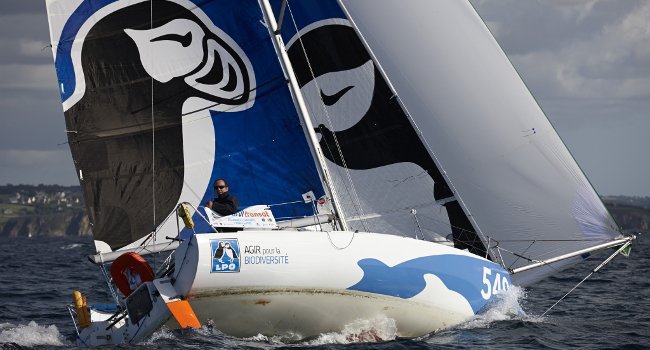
(221, 108)
(389, 181)
(514, 176)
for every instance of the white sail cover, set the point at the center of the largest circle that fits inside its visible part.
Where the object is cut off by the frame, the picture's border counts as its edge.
(519, 185)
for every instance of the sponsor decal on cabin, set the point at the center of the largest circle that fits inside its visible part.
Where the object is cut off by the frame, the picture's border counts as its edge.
(225, 255)
(257, 216)
(258, 255)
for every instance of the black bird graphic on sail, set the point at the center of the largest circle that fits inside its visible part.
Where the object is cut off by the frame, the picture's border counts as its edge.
(126, 134)
(381, 126)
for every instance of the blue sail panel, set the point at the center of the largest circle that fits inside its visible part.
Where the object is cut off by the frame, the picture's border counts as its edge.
(163, 97)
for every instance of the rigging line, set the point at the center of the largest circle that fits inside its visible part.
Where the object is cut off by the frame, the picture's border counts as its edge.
(355, 197)
(552, 240)
(436, 160)
(524, 252)
(153, 139)
(619, 250)
(285, 203)
(549, 265)
(487, 234)
(337, 247)
(519, 255)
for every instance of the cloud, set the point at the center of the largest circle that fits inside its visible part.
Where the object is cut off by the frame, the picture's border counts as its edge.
(34, 48)
(24, 37)
(577, 49)
(37, 166)
(22, 6)
(30, 157)
(24, 76)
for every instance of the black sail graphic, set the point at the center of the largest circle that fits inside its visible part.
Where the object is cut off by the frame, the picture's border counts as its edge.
(117, 141)
(383, 134)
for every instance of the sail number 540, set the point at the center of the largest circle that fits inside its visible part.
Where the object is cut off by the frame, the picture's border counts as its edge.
(493, 286)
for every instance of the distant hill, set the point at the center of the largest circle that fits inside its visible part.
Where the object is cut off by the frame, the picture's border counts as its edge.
(53, 210)
(631, 213)
(43, 210)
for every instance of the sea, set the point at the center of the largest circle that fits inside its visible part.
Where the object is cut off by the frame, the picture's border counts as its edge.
(610, 310)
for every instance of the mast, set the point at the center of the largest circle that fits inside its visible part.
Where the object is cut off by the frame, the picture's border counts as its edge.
(278, 44)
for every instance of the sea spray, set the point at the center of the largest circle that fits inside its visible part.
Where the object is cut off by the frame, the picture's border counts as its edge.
(505, 306)
(31, 334)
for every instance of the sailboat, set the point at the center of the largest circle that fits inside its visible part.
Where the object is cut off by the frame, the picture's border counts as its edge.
(389, 160)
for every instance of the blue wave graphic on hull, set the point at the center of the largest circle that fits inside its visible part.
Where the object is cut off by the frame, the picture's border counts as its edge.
(459, 273)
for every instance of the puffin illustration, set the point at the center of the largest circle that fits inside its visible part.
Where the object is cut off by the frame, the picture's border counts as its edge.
(141, 78)
(367, 114)
(219, 253)
(230, 252)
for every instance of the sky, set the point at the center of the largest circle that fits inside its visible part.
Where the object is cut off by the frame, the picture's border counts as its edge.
(587, 62)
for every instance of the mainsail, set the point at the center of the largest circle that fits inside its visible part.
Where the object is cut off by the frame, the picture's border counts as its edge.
(389, 181)
(514, 177)
(221, 108)
(427, 128)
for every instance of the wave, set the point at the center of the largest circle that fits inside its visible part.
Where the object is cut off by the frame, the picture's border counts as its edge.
(504, 307)
(31, 334)
(72, 246)
(378, 329)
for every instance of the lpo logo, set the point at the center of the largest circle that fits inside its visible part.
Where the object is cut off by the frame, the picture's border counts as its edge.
(225, 255)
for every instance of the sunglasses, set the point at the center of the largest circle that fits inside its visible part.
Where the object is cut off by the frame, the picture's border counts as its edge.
(220, 187)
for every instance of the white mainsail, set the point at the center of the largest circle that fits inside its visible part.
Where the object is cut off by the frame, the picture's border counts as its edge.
(516, 180)
(387, 180)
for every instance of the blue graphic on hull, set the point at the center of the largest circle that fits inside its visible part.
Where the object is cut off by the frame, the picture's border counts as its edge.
(225, 255)
(474, 279)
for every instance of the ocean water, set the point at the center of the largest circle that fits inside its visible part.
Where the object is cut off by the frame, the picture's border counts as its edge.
(611, 310)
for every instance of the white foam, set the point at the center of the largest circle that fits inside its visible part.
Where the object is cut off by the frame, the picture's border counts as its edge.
(31, 335)
(505, 306)
(72, 246)
(287, 338)
(162, 333)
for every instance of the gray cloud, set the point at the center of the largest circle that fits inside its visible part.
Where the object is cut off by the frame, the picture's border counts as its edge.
(25, 37)
(22, 6)
(586, 61)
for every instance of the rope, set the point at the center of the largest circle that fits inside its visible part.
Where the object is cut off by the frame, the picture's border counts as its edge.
(337, 247)
(589, 275)
(355, 197)
(153, 145)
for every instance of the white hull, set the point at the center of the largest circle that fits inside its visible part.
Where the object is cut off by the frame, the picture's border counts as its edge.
(308, 313)
(303, 283)
(309, 283)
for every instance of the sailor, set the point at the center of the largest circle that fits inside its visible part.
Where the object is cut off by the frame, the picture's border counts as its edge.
(224, 203)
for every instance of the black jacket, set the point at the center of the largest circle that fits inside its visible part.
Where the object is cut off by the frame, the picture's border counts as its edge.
(225, 204)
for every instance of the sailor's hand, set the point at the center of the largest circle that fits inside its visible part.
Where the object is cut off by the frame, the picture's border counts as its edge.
(209, 204)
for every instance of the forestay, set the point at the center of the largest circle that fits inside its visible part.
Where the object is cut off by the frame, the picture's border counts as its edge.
(505, 162)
